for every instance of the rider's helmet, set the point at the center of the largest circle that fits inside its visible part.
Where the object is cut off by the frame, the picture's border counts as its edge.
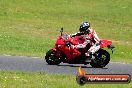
(84, 26)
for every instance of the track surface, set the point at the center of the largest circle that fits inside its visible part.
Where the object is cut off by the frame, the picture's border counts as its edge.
(31, 64)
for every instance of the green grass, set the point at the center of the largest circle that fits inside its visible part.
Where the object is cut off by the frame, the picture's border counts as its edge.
(44, 80)
(28, 27)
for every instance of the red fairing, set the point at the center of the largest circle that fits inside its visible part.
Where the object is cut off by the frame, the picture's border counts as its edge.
(77, 40)
(105, 43)
(60, 41)
(70, 52)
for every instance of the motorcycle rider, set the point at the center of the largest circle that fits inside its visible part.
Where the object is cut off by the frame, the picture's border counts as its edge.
(90, 37)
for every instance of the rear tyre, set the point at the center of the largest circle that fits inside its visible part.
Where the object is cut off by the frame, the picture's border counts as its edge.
(51, 58)
(101, 60)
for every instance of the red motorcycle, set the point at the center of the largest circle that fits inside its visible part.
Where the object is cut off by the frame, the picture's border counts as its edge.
(64, 52)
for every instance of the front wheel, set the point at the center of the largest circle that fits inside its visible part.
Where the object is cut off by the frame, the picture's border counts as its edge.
(51, 58)
(102, 58)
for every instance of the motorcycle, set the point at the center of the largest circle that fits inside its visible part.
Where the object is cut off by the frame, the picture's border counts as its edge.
(63, 51)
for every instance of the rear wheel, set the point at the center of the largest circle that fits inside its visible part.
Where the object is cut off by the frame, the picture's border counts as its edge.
(51, 58)
(102, 58)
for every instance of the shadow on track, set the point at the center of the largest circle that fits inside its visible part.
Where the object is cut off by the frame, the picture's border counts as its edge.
(71, 65)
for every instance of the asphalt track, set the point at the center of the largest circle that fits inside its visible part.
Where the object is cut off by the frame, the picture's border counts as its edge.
(32, 64)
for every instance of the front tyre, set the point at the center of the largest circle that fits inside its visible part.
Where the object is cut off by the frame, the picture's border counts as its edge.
(102, 58)
(51, 58)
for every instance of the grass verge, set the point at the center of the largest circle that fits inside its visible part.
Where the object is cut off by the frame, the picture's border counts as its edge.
(10, 79)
